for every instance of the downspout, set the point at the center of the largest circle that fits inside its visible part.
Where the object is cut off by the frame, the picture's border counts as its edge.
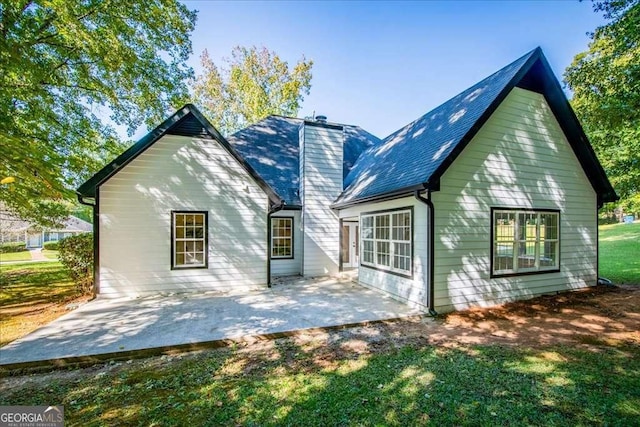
(273, 210)
(432, 229)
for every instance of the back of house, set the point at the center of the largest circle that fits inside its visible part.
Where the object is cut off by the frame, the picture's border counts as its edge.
(490, 197)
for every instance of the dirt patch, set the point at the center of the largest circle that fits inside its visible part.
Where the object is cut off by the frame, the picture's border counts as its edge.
(19, 320)
(605, 315)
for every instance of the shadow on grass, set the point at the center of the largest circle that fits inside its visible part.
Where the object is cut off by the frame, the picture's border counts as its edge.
(411, 384)
(30, 284)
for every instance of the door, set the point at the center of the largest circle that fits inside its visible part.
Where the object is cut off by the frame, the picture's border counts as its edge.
(350, 244)
(35, 240)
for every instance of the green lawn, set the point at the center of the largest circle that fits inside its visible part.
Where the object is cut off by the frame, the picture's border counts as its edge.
(620, 252)
(50, 254)
(411, 385)
(15, 256)
(31, 295)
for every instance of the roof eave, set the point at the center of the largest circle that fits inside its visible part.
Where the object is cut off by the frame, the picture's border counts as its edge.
(389, 195)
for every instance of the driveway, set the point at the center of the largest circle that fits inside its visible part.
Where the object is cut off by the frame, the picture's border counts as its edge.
(106, 326)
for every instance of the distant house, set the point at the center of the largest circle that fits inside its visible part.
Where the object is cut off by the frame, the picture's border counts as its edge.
(490, 197)
(13, 229)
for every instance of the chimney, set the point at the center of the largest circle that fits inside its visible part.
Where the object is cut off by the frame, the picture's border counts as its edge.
(321, 166)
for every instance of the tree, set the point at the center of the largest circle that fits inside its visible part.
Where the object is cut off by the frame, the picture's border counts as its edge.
(66, 66)
(255, 83)
(605, 81)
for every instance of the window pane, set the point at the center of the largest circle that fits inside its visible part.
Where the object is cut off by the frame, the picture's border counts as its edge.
(367, 227)
(548, 254)
(367, 251)
(504, 226)
(383, 255)
(549, 226)
(382, 227)
(503, 257)
(179, 219)
(526, 260)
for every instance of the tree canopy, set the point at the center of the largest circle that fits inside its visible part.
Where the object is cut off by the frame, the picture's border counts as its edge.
(605, 81)
(251, 85)
(65, 67)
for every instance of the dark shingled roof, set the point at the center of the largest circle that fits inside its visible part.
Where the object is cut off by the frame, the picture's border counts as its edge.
(268, 150)
(271, 147)
(416, 156)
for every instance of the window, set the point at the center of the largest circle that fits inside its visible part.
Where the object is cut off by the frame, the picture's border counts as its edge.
(281, 237)
(525, 242)
(386, 241)
(189, 239)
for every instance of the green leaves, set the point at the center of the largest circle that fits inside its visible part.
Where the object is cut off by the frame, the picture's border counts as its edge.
(254, 84)
(605, 81)
(65, 65)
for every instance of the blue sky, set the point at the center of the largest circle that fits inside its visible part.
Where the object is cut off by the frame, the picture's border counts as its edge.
(381, 65)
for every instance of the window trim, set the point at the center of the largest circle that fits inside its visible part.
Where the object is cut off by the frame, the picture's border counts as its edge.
(374, 266)
(173, 241)
(511, 273)
(292, 238)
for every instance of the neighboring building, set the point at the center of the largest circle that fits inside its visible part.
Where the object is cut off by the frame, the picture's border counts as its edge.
(13, 229)
(490, 197)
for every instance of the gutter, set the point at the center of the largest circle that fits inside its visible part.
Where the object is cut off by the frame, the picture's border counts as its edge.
(273, 210)
(431, 221)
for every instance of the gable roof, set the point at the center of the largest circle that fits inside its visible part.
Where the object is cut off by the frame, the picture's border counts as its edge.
(187, 121)
(271, 147)
(416, 156)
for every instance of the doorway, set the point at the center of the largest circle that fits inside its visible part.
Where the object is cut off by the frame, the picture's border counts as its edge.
(350, 244)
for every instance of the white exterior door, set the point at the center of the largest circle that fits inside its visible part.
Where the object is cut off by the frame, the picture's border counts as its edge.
(35, 240)
(350, 244)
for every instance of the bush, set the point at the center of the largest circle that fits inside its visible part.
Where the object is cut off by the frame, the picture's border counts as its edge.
(51, 246)
(7, 248)
(76, 254)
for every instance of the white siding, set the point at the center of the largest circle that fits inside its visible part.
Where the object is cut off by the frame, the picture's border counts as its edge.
(181, 173)
(289, 267)
(321, 151)
(413, 291)
(519, 159)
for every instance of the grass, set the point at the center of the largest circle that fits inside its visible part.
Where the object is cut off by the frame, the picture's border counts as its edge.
(15, 256)
(410, 385)
(620, 252)
(50, 254)
(31, 294)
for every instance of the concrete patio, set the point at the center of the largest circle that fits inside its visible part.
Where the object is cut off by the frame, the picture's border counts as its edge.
(107, 326)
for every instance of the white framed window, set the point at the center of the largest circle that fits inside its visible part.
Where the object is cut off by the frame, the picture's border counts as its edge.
(524, 241)
(281, 238)
(189, 239)
(387, 239)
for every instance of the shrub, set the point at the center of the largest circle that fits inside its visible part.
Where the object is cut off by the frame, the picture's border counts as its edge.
(7, 248)
(51, 246)
(76, 254)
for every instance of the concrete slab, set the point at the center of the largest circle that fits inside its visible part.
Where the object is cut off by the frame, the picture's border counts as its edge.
(121, 325)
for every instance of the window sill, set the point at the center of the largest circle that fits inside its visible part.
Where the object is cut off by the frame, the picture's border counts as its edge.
(522, 273)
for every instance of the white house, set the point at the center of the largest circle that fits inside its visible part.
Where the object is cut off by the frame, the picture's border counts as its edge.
(15, 230)
(490, 197)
